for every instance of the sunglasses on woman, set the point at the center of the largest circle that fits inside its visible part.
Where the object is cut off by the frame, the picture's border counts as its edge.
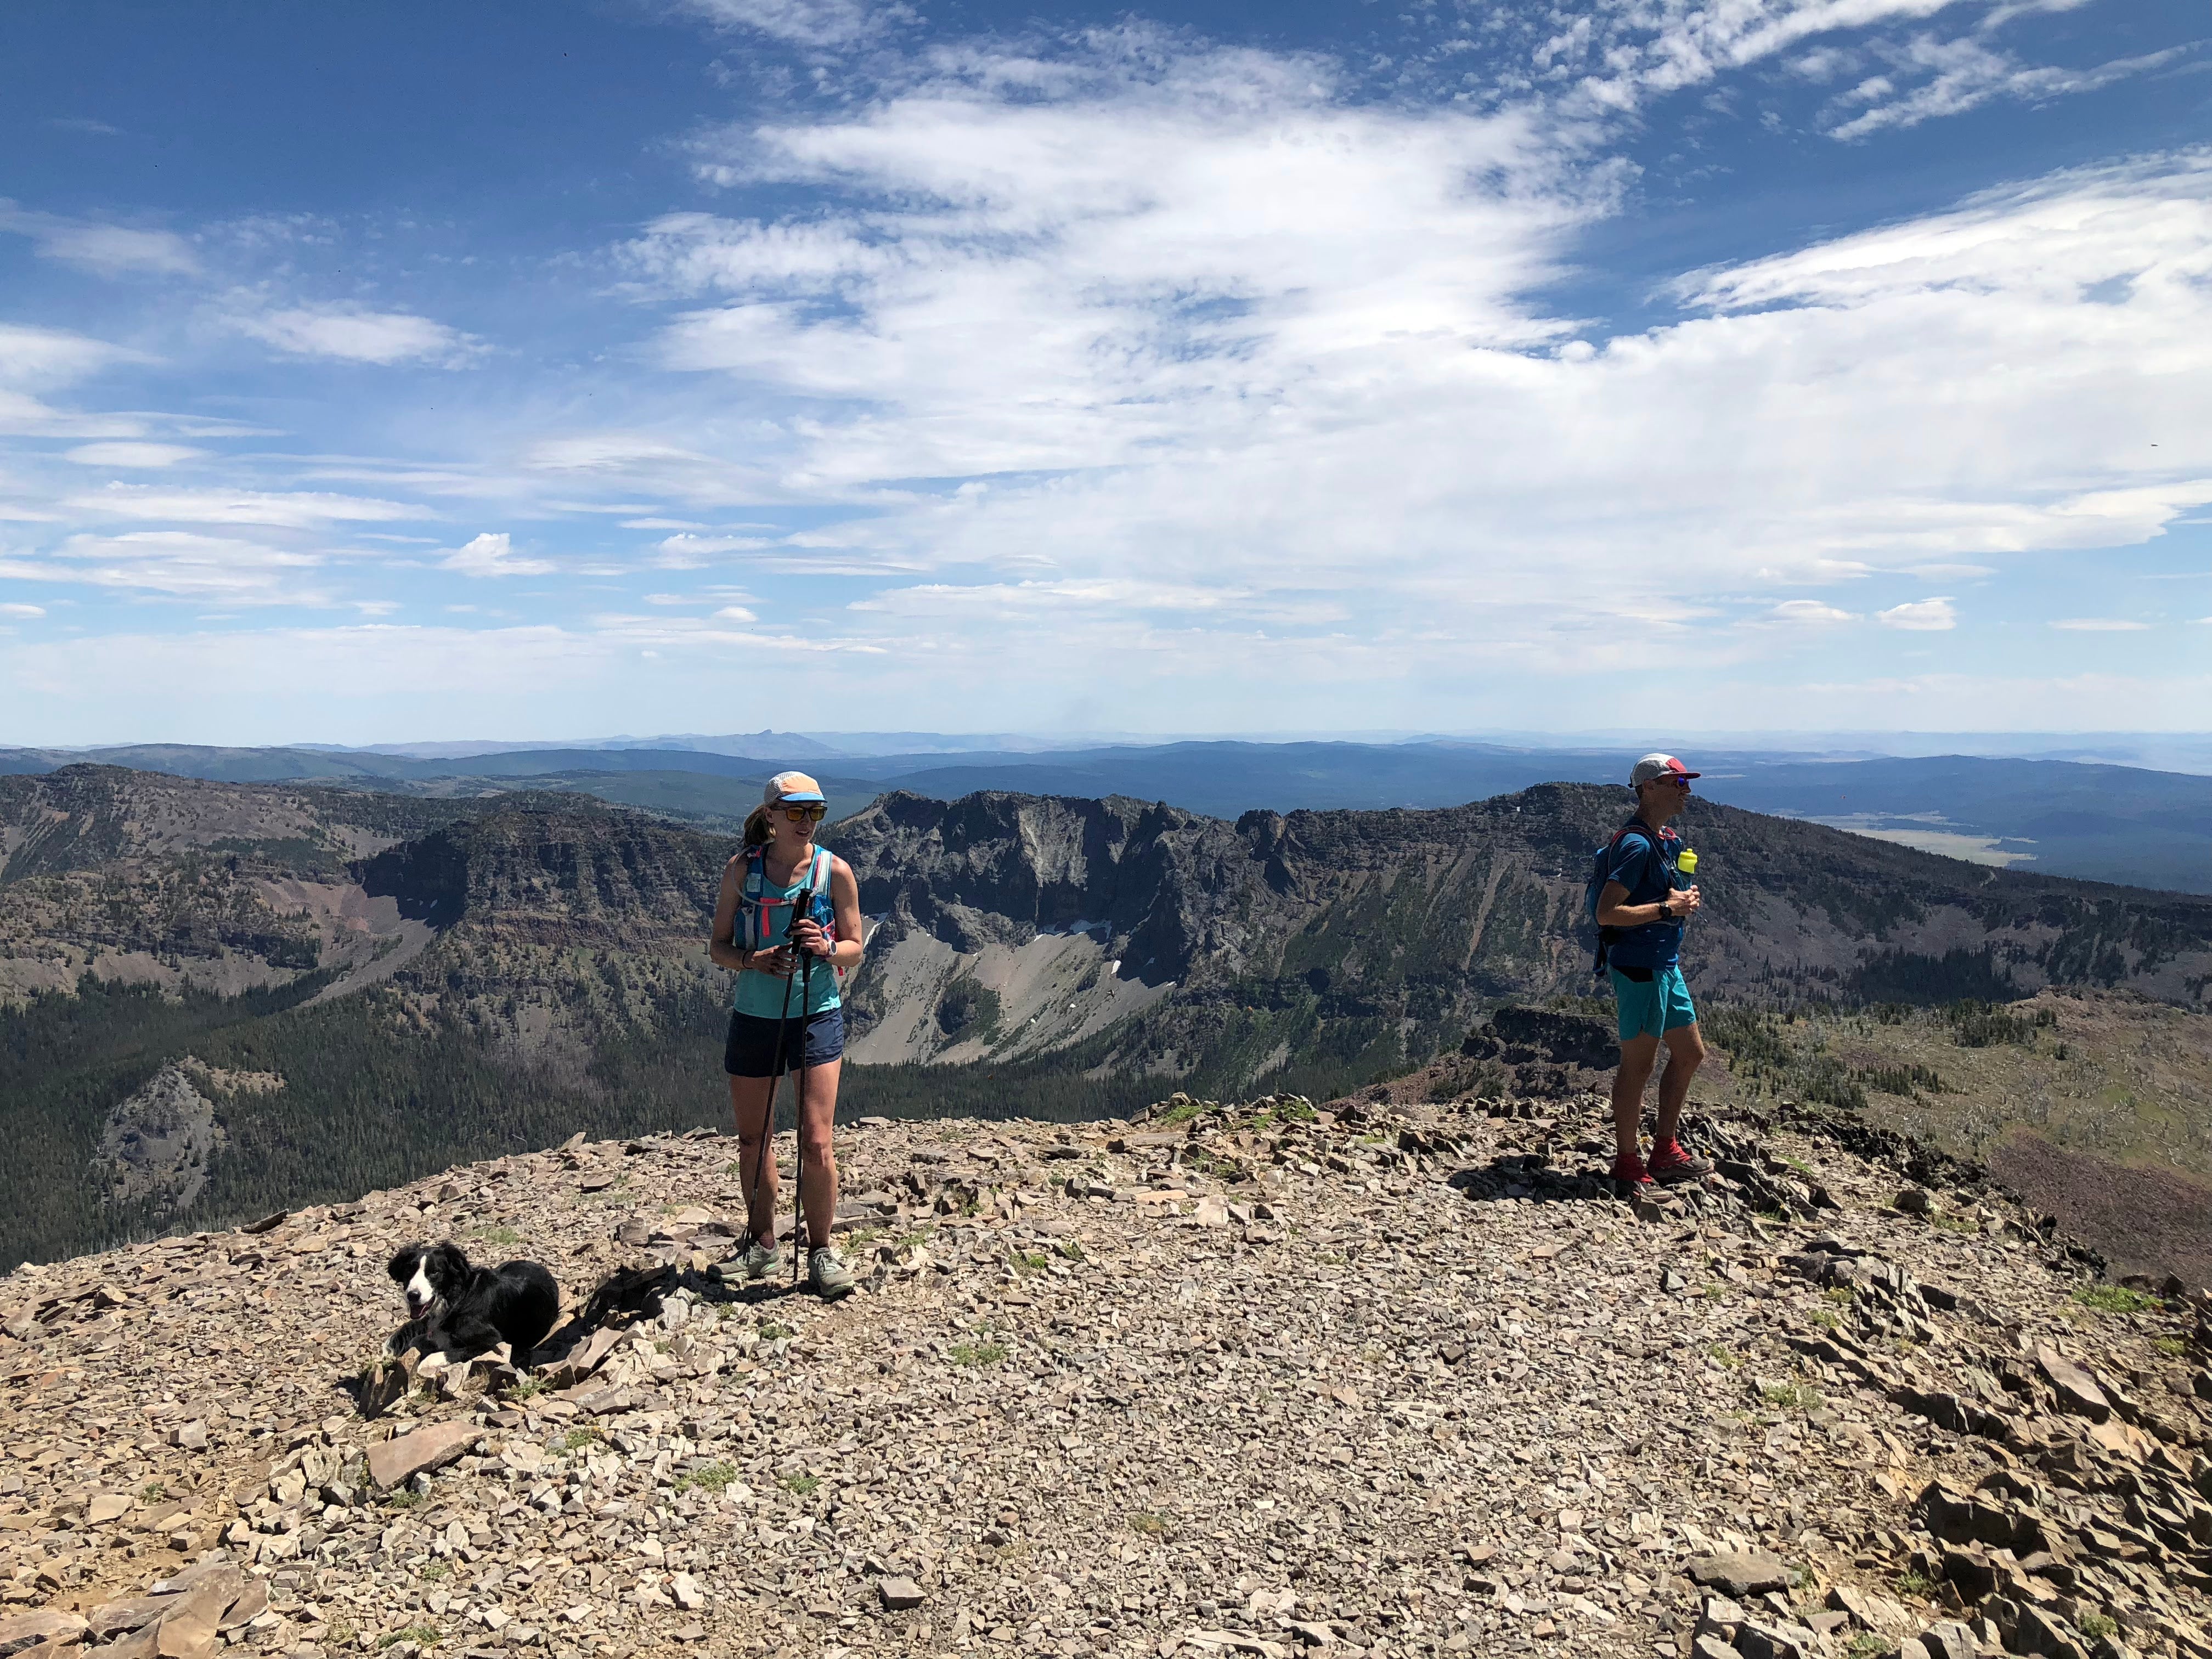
(811, 814)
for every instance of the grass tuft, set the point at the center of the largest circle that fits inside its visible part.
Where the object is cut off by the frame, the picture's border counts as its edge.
(978, 1353)
(714, 1477)
(2115, 1299)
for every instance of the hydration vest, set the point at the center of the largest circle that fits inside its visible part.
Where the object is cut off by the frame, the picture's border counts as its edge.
(756, 899)
(1658, 881)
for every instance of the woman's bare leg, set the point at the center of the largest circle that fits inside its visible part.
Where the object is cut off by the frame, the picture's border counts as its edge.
(819, 1182)
(750, 1100)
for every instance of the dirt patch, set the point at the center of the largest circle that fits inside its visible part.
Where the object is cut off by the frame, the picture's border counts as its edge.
(2145, 1220)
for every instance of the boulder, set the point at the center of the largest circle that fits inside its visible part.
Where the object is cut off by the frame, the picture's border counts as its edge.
(1740, 1574)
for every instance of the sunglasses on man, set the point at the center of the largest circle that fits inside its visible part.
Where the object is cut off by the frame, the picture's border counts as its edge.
(813, 812)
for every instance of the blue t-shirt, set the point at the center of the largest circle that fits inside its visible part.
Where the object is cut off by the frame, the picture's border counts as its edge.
(1644, 864)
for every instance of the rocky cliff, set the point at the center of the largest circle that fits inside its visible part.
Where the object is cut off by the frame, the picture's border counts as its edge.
(1320, 945)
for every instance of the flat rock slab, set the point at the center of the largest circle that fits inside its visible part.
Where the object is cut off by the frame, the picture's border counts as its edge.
(1741, 1575)
(20, 1629)
(395, 1461)
(134, 1612)
(899, 1592)
(2078, 1392)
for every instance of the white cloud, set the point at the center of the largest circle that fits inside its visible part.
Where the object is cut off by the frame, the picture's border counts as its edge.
(147, 455)
(1205, 318)
(23, 612)
(108, 250)
(297, 509)
(44, 357)
(188, 565)
(1921, 616)
(696, 552)
(494, 554)
(821, 24)
(354, 334)
(2100, 625)
(1966, 73)
(1809, 613)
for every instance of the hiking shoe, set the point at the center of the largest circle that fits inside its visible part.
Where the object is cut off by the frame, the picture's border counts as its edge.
(756, 1260)
(1670, 1164)
(827, 1276)
(1630, 1176)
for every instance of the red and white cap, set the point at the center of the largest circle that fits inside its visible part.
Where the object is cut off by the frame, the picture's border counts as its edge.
(1653, 767)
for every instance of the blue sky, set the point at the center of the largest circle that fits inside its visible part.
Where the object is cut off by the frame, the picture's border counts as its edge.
(560, 369)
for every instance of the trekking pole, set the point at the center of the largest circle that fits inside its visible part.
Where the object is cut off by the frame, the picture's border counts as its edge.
(799, 1110)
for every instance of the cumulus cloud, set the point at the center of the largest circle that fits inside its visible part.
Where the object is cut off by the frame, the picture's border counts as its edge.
(1921, 616)
(355, 335)
(1809, 613)
(493, 554)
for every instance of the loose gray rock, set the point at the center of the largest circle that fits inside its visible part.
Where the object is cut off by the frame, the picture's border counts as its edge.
(1740, 1574)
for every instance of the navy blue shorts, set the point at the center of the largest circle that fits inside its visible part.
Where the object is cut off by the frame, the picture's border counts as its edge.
(749, 1049)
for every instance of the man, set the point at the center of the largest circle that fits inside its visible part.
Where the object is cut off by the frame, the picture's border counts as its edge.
(1640, 913)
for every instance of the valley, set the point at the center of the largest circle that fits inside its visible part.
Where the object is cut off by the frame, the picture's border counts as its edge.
(432, 979)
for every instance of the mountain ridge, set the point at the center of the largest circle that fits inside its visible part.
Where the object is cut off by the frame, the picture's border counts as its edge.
(469, 975)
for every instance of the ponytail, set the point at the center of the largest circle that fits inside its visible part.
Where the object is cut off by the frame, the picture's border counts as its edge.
(757, 833)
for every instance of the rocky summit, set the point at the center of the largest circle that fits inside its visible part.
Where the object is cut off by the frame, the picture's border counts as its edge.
(1390, 1378)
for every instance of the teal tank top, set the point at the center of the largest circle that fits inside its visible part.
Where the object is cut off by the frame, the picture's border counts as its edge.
(762, 994)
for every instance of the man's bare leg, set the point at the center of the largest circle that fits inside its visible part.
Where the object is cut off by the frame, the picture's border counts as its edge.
(1686, 1052)
(1637, 1056)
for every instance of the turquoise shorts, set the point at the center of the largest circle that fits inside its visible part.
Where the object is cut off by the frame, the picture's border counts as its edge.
(1657, 1006)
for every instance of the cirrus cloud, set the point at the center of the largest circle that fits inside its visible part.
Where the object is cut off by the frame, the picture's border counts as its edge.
(356, 335)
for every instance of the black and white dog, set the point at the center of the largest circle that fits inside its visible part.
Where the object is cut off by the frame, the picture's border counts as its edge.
(455, 1308)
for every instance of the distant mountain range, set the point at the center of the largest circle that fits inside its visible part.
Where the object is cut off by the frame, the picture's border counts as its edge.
(2094, 821)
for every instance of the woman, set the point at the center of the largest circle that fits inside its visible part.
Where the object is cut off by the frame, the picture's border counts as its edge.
(784, 1016)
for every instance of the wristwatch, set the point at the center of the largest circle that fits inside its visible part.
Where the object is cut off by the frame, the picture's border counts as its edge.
(1666, 909)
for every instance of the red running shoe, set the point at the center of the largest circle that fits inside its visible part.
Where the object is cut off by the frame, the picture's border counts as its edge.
(1630, 1176)
(1670, 1164)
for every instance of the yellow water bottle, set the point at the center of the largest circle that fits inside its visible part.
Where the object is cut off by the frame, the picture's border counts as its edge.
(1686, 862)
